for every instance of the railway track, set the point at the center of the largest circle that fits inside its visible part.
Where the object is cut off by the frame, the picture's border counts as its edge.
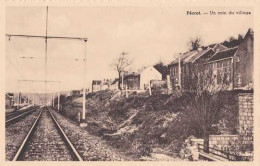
(17, 115)
(46, 141)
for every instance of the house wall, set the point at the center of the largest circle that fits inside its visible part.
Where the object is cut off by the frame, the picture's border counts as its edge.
(133, 82)
(104, 87)
(245, 126)
(219, 75)
(246, 116)
(222, 142)
(113, 86)
(174, 75)
(7, 102)
(148, 74)
(96, 88)
(244, 63)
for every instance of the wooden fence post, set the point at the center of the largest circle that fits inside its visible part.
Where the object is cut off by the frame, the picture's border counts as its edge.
(150, 88)
(126, 91)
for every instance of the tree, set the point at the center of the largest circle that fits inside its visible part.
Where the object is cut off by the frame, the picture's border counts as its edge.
(203, 111)
(232, 41)
(162, 68)
(194, 43)
(120, 65)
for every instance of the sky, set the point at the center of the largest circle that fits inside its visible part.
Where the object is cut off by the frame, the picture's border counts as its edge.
(147, 34)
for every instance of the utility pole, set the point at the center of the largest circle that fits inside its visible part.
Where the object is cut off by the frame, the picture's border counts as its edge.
(179, 69)
(18, 97)
(84, 81)
(46, 52)
(122, 79)
(46, 37)
(59, 97)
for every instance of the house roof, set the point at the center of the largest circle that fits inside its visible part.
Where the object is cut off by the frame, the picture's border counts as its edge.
(132, 74)
(96, 82)
(219, 47)
(250, 33)
(115, 80)
(223, 54)
(183, 57)
(6, 95)
(196, 56)
(162, 69)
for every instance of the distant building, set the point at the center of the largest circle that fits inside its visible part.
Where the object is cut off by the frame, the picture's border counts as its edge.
(9, 100)
(141, 79)
(175, 77)
(220, 70)
(234, 68)
(114, 84)
(132, 81)
(105, 84)
(244, 63)
(215, 67)
(163, 69)
(96, 85)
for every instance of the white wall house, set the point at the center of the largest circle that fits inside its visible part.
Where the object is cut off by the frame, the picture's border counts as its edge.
(149, 73)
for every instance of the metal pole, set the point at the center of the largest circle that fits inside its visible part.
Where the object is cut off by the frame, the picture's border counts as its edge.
(52, 99)
(122, 80)
(46, 49)
(33, 99)
(126, 90)
(179, 71)
(59, 98)
(150, 88)
(18, 97)
(84, 82)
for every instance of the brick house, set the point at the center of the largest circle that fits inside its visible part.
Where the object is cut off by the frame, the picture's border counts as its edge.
(132, 81)
(174, 69)
(96, 85)
(244, 63)
(141, 79)
(232, 68)
(192, 67)
(219, 72)
(9, 100)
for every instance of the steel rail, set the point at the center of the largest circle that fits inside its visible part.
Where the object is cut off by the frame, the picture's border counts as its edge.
(16, 112)
(11, 113)
(7, 122)
(67, 140)
(26, 139)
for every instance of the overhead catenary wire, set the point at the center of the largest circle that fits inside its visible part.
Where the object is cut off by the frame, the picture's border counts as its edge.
(46, 37)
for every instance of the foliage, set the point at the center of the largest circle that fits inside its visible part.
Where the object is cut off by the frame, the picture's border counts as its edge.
(161, 121)
(120, 65)
(233, 42)
(204, 110)
(194, 43)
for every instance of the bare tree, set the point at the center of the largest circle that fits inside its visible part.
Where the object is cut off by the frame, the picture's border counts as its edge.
(194, 43)
(120, 65)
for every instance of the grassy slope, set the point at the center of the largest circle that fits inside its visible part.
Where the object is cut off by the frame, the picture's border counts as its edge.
(139, 124)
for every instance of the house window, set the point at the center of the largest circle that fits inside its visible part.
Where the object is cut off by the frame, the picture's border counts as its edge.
(219, 77)
(238, 58)
(219, 64)
(228, 62)
(239, 79)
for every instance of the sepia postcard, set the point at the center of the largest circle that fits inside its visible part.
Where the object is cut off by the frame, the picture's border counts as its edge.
(127, 82)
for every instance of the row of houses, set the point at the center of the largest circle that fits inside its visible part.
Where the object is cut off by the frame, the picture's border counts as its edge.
(132, 81)
(10, 99)
(215, 67)
(209, 67)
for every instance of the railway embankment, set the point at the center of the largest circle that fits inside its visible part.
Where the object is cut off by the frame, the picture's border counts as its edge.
(143, 126)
